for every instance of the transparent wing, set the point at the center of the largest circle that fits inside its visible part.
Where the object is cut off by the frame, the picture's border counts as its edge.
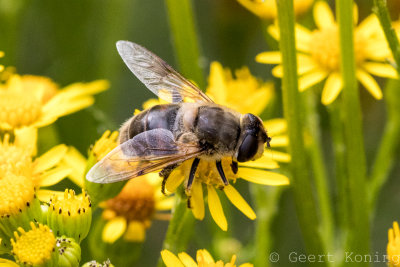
(158, 76)
(146, 152)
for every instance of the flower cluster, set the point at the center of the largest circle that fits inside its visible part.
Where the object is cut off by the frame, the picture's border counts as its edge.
(319, 54)
(39, 226)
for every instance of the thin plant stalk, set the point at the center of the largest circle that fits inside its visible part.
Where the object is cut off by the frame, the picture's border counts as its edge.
(381, 10)
(358, 224)
(185, 40)
(315, 150)
(301, 183)
(390, 142)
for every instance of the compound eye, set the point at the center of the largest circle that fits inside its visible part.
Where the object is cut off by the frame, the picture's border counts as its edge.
(248, 148)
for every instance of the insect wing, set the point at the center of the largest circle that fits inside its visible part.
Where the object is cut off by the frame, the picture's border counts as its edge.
(146, 152)
(158, 76)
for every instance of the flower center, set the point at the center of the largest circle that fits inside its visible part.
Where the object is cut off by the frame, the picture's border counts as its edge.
(325, 50)
(14, 159)
(16, 192)
(207, 172)
(34, 247)
(135, 201)
(71, 205)
(324, 47)
(17, 110)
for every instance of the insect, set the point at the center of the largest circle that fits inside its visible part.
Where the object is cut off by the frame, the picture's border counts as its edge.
(191, 126)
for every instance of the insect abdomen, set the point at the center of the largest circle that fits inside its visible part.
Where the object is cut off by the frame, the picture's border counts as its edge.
(159, 116)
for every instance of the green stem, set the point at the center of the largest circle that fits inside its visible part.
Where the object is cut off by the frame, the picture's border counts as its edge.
(301, 184)
(359, 236)
(381, 10)
(313, 145)
(336, 127)
(389, 143)
(267, 202)
(180, 227)
(186, 45)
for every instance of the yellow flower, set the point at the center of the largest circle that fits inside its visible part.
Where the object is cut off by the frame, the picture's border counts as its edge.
(319, 54)
(393, 246)
(203, 259)
(130, 213)
(36, 247)
(247, 95)
(32, 101)
(43, 171)
(267, 9)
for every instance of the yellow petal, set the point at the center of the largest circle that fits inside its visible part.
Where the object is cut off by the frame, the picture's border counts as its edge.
(45, 195)
(204, 256)
(277, 155)
(263, 163)
(136, 232)
(380, 69)
(197, 200)
(237, 200)
(174, 180)
(271, 57)
(310, 79)
(332, 88)
(277, 71)
(165, 204)
(8, 263)
(187, 260)
(323, 15)
(26, 137)
(369, 83)
(279, 141)
(170, 260)
(77, 163)
(303, 38)
(262, 177)
(50, 158)
(275, 126)
(246, 265)
(113, 229)
(273, 30)
(54, 176)
(217, 85)
(355, 14)
(214, 204)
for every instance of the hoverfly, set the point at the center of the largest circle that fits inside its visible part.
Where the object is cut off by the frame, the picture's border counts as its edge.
(192, 126)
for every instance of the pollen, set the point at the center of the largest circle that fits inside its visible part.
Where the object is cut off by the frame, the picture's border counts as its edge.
(17, 192)
(14, 159)
(34, 247)
(135, 201)
(17, 109)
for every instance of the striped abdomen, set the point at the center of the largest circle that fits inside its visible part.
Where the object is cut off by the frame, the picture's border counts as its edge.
(159, 116)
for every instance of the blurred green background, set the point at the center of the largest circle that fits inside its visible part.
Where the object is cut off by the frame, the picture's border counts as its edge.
(72, 41)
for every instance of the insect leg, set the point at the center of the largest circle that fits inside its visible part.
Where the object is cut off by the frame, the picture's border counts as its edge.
(192, 173)
(234, 167)
(221, 172)
(191, 178)
(164, 173)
